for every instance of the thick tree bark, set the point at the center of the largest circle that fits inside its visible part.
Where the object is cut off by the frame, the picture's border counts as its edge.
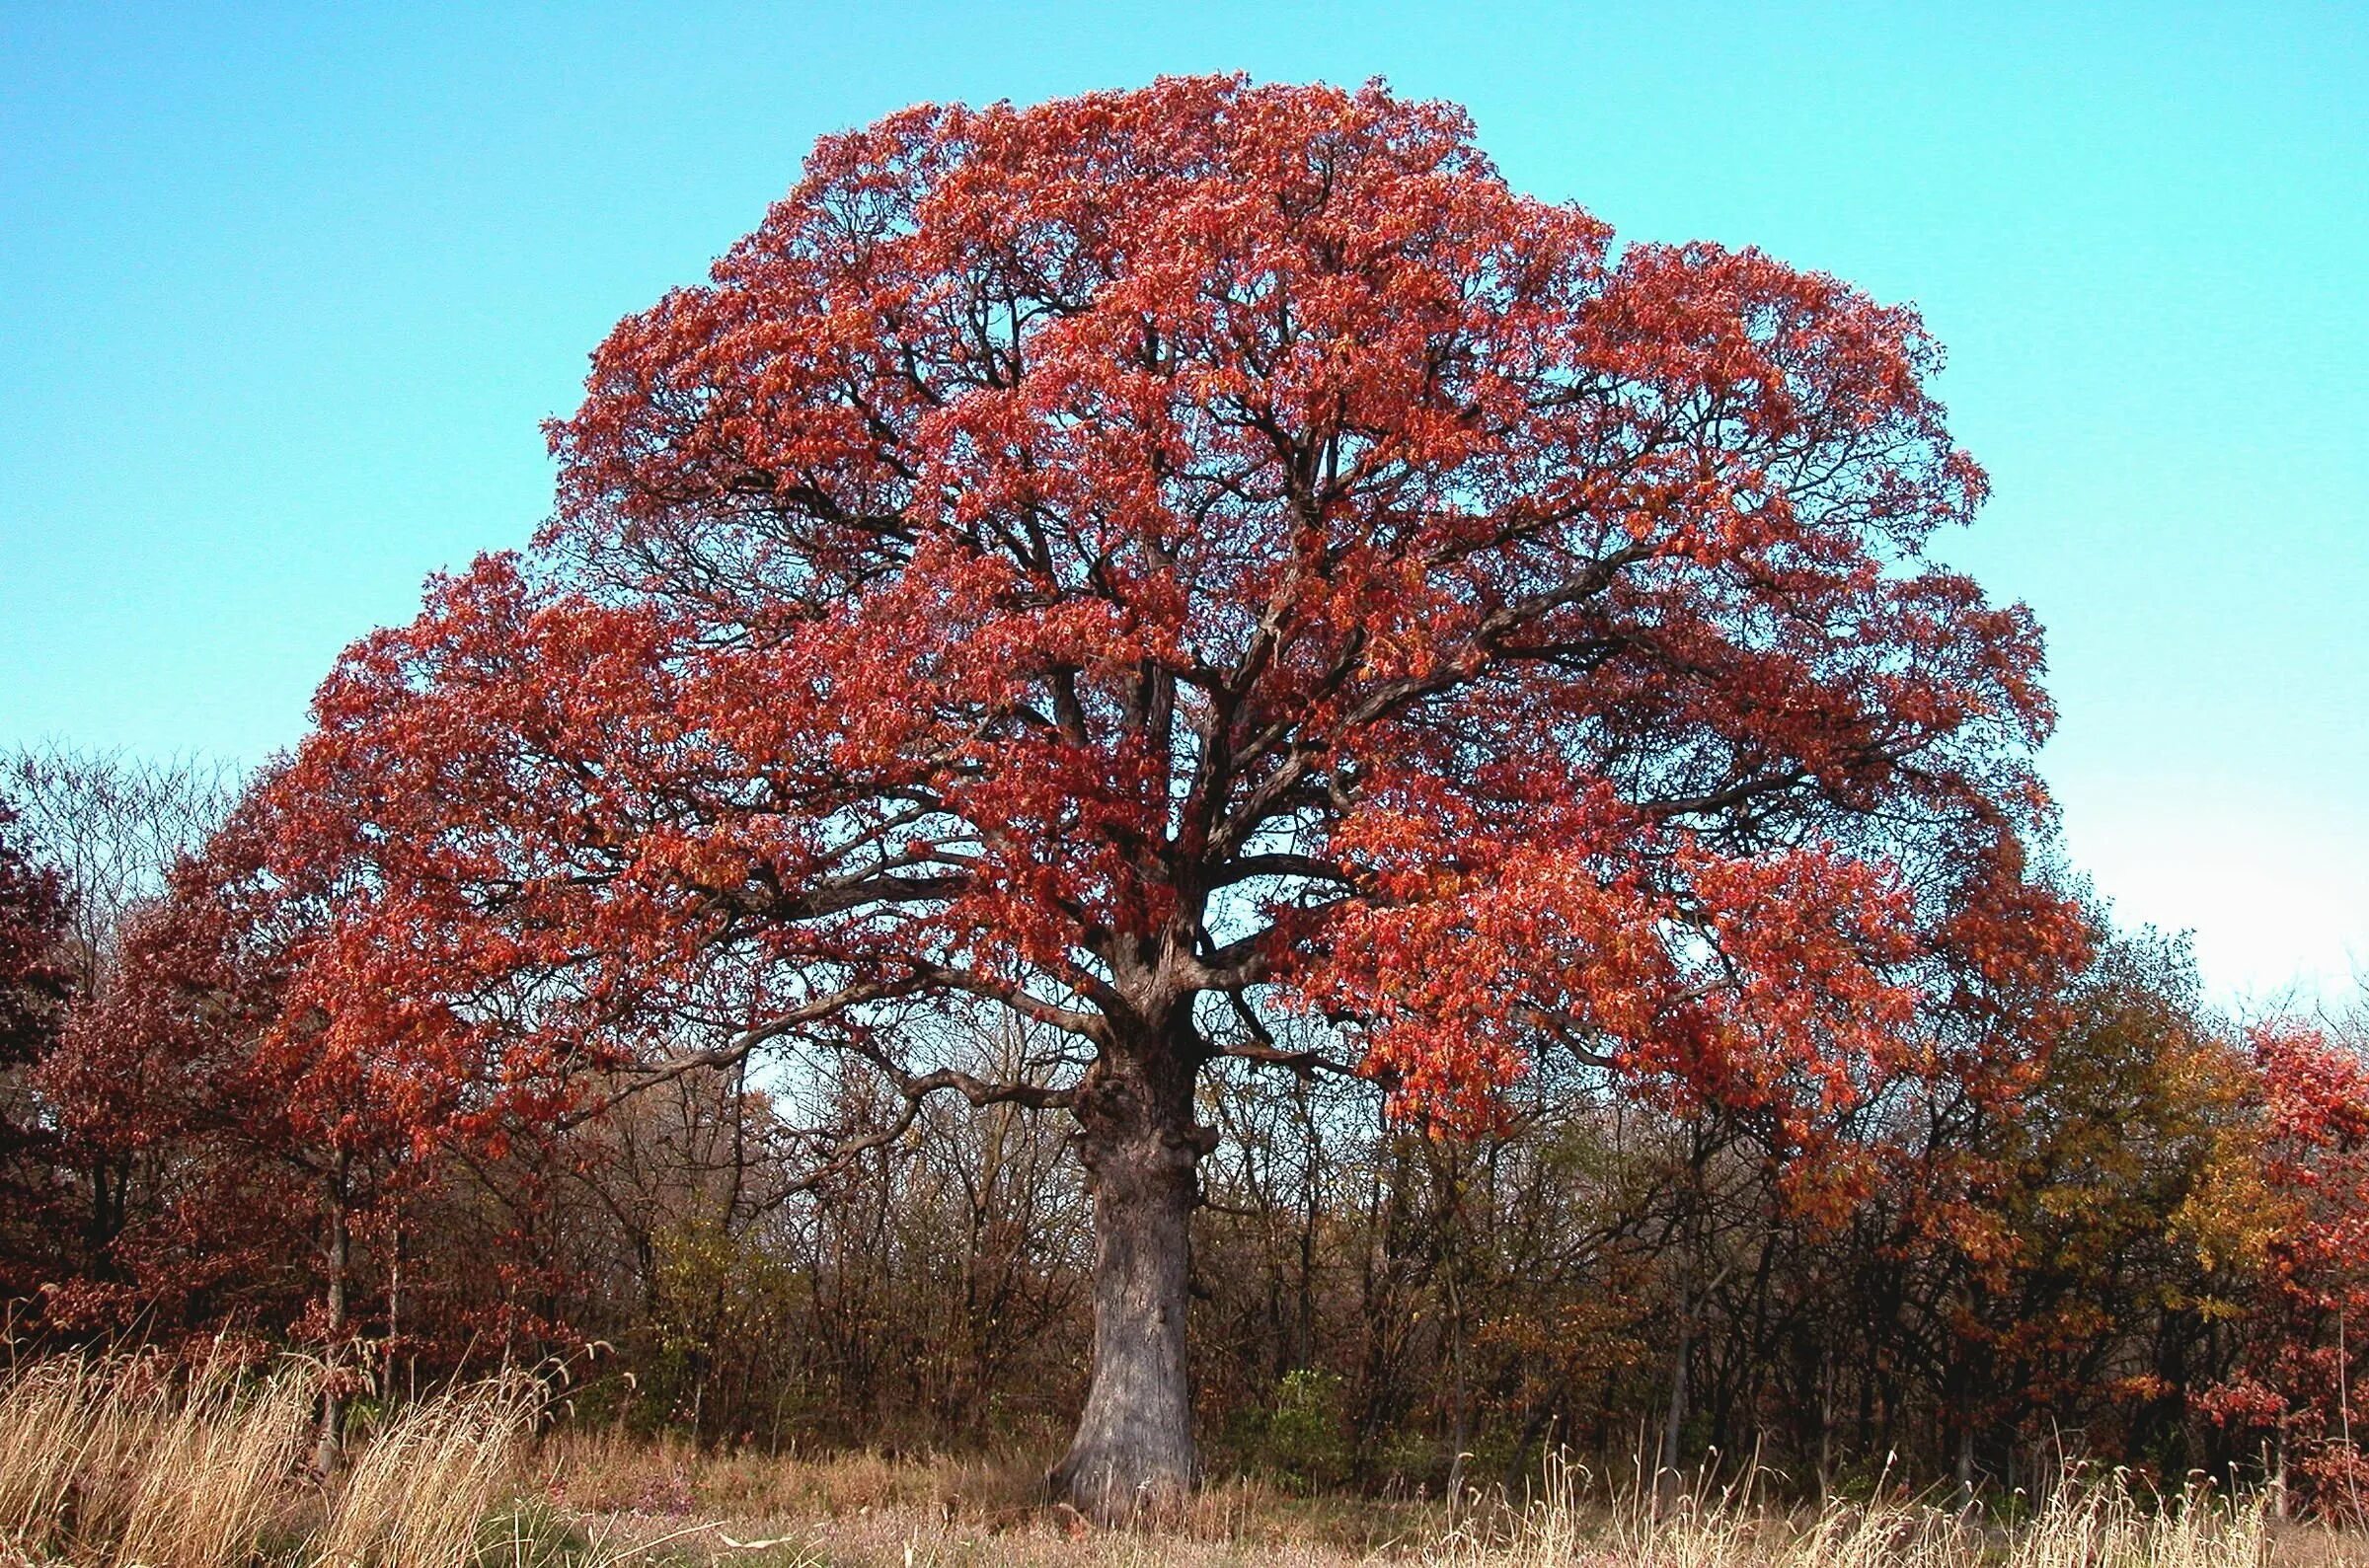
(1133, 1453)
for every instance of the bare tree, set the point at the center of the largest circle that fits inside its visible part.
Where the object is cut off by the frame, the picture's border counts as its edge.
(112, 824)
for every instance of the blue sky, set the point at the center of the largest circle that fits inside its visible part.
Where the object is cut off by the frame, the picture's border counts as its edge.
(284, 292)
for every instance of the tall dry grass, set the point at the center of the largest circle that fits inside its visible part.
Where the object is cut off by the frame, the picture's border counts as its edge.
(2085, 1521)
(420, 1487)
(113, 1462)
(148, 1462)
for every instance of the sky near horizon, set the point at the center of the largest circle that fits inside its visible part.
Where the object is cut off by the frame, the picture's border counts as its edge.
(286, 290)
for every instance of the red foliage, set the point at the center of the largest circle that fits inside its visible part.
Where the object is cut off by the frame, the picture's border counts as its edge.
(246, 1122)
(1205, 538)
(33, 987)
(33, 975)
(2303, 1358)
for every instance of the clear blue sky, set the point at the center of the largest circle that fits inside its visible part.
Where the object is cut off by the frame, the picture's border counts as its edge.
(286, 290)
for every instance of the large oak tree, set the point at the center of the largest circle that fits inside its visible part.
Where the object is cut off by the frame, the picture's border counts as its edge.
(1210, 571)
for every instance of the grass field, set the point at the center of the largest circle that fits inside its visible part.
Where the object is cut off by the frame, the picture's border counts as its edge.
(126, 1461)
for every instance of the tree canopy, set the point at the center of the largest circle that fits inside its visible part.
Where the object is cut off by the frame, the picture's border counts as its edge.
(1209, 540)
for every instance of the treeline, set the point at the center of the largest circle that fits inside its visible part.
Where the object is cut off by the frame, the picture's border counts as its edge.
(2149, 1247)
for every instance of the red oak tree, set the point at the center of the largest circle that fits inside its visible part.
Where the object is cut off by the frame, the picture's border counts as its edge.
(1211, 571)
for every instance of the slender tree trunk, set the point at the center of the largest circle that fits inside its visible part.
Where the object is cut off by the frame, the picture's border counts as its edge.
(2278, 1475)
(1673, 1420)
(386, 1375)
(339, 1257)
(1133, 1451)
(1825, 1422)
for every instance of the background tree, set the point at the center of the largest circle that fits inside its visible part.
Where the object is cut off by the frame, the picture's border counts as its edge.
(2298, 1212)
(265, 1143)
(35, 985)
(111, 826)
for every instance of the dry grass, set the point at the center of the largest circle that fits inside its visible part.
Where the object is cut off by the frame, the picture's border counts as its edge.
(163, 1465)
(111, 1463)
(123, 1460)
(420, 1487)
(868, 1512)
(2087, 1523)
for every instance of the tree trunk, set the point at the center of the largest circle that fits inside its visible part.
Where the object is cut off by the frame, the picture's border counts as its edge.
(339, 1256)
(1666, 1480)
(1133, 1451)
(2278, 1475)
